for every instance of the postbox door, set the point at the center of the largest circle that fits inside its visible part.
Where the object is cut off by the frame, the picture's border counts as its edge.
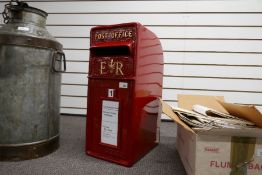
(109, 116)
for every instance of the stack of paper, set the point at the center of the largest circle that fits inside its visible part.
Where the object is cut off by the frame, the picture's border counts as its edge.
(207, 118)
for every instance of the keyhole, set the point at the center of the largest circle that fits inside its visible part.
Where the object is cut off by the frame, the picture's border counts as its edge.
(111, 92)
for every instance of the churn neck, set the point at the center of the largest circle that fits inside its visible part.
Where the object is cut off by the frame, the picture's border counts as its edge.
(22, 13)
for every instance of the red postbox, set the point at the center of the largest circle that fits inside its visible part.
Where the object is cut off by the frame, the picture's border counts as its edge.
(124, 86)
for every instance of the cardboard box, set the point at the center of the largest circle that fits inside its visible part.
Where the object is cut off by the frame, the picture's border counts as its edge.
(218, 151)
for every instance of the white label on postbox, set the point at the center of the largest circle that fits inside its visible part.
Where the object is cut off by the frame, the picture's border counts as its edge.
(109, 127)
(123, 85)
(26, 29)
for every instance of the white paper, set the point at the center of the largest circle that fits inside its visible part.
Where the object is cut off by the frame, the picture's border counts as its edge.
(109, 127)
(200, 109)
(259, 152)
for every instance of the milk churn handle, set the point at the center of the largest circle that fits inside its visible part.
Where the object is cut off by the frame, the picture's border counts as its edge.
(62, 59)
(5, 13)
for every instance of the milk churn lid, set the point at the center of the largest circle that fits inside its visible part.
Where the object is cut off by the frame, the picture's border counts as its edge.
(22, 6)
(12, 12)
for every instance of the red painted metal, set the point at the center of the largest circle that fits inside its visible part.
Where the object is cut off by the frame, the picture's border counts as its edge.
(124, 85)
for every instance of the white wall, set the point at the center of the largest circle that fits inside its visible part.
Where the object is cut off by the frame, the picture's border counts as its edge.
(210, 47)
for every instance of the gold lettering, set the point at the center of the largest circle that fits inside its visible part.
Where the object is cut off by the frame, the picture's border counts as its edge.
(99, 36)
(130, 34)
(111, 66)
(96, 36)
(102, 67)
(112, 35)
(120, 35)
(119, 67)
(106, 35)
(116, 34)
(125, 35)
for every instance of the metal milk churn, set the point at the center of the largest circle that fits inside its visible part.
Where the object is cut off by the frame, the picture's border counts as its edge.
(31, 62)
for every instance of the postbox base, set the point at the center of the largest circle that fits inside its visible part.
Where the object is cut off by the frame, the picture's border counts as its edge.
(32, 151)
(104, 157)
(123, 162)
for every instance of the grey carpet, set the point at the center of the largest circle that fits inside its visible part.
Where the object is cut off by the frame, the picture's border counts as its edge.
(70, 158)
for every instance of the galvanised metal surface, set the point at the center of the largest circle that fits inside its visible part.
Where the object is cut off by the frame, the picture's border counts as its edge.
(30, 82)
